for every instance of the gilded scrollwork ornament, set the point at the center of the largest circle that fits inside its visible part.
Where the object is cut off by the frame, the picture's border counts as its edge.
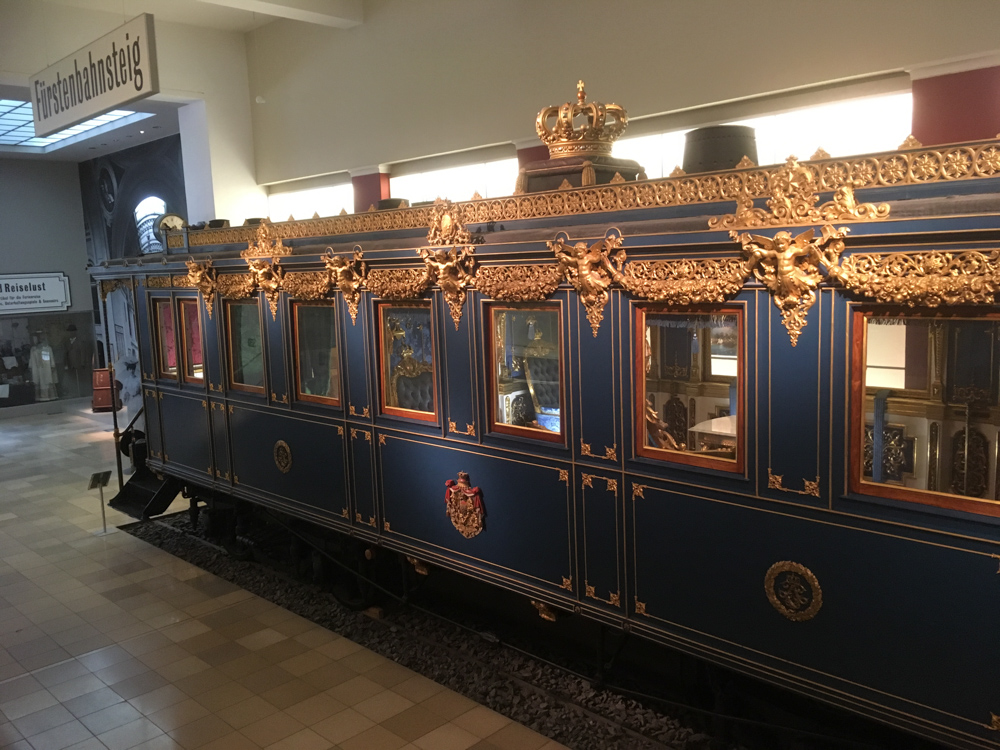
(454, 271)
(265, 243)
(203, 278)
(398, 283)
(446, 225)
(235, 285)
(348, 274)
(306, 285)
(591, 270)
(686, 282)
(790, 269)
(519, 283)
(268, 278)
(464, 505)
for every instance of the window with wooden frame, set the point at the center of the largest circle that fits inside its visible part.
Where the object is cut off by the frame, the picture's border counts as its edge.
(406, 360)
(166, 338)
(244, 345)
(690, 373)
(925, 407)
(192, 351)
(526, 371)
(317, 354)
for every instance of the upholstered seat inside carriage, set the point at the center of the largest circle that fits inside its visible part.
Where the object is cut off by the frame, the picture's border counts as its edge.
(412, 384)
(542, 374)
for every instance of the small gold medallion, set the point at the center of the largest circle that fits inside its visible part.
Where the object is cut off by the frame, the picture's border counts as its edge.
(793, 590)
(282, 456)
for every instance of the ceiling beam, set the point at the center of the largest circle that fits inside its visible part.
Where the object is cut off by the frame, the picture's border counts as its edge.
(341, 14)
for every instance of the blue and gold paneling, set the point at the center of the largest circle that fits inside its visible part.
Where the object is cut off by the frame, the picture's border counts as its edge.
(187, 437)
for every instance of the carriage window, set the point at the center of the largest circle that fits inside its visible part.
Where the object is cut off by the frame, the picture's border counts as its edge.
(690, 375)
(246, 348)
(166, 341)
(194, 363)
(317, 358)
(526, 372)
(407, 361)
(925, 423)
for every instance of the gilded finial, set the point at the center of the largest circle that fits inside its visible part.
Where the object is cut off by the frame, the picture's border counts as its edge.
(821, 153)
(581, 94)
(678, 172)
(910, 142)
(580, 128)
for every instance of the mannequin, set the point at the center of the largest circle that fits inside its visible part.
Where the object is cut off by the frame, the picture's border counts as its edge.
(77, 360)
(42, 362)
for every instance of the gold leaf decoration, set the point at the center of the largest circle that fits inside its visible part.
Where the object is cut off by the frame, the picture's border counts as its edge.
(398, 283)
(158, 282)
(453, 271)
(745, 163)
(591, 270)
(235, 285)
(519, 283)
(686, 282)
(307, 285)
(790, 269)
(820, 153)
(265, 243)
(203, 278)
(910, 142)
(268, 278)
(929, 278)
(793, 201)
(447, 227)
(348, 274)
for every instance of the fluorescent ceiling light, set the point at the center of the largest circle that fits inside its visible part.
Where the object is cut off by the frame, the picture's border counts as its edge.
(17, 127)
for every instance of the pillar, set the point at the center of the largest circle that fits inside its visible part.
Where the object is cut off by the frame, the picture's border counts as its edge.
(370, 186)
(951, 107)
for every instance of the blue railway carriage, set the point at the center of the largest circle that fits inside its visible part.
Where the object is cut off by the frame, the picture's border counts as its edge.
(750, 414)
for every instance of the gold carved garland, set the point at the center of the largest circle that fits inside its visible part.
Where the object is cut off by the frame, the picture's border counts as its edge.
(977, 160)
(518, 283)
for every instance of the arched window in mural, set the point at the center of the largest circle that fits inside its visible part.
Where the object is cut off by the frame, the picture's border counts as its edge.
(145, 216)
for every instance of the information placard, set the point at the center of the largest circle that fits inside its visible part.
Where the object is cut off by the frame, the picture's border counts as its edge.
(36, 292)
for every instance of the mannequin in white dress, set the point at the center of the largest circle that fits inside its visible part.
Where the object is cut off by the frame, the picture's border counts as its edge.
(42, 362)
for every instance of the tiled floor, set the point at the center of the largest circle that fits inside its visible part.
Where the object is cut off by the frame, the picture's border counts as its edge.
(107, 642)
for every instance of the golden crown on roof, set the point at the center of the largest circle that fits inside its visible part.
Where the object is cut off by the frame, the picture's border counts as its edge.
(604, 123)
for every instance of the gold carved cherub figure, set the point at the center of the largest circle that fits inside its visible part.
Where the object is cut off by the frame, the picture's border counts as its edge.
(452, 270)
(591, 270)
(348, 274)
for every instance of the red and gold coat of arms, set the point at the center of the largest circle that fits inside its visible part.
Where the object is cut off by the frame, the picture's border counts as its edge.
(464, 505)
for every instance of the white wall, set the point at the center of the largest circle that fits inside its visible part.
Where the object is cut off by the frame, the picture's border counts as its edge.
(41, 214)
(194, 64)
(422, 78)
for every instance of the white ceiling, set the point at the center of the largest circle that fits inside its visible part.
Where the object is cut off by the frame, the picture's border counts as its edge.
(192, 12)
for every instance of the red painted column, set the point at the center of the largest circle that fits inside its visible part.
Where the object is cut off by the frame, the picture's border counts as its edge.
(957, 107)
(369, 188)
(532, 153)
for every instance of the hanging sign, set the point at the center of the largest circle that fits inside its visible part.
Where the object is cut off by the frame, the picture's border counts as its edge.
(38, 292)
(118, 68)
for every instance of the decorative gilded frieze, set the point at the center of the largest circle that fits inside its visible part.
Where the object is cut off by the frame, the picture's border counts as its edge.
(398, 283)
(265, 243)
(348, 274)
(793, 201)
(591, 270)
(969, 161)
(180, 281)
(109, 285)
(793, 590)
(447, 227)
(235, 285)
(306, 285)
(927, 278)
(454, 271)
(203, 278)
(518, 283)
(158, 282)
(790, 269)
(685, 282)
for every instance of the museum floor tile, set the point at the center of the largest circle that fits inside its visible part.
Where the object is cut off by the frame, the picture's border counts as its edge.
(108, 642)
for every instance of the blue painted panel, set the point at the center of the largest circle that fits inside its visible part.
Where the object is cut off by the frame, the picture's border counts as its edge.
(316, 476)
(215, 375)
(894, 611)
(597, 438)
(602, 538)
(528, 513)
(187, 438)
(358, 350)
(363, 477)
(151, 410)
(220, 442)
(277, 371)
(459, 382)
(145, 342)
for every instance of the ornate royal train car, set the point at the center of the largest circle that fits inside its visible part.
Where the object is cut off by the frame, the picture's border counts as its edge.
(763, 434)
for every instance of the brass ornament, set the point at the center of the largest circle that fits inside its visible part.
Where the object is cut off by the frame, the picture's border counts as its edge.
(969, 161)
(677, 171)
(447, 227)
(110, 285)
(464, 505)
(454, 271)
(686, 282)
(283, 457)
(203, 278)
(640, 607)
(820, 153)
(926, 278)
(793, 590)
(158, 282)
(790, 269)
(610, 454)
(354, 412)
(604, 124)
(268, 278)
(544, 610)
(994, 722)
(398, 283)
(793, 201)
(180, 281)
(745, 163)
(910, 142)
(470, 429)
(591, 270)
(775, 482)
(265, 243)
(306, 285)
(519, 283)
(348, 274)
(567, 583)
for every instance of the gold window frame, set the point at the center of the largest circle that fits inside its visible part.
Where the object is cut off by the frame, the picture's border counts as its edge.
(233, 384)
(388, 383)
(162, 367)
(183, 302)
(310, 397)
(642, 419)
(533, 433)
